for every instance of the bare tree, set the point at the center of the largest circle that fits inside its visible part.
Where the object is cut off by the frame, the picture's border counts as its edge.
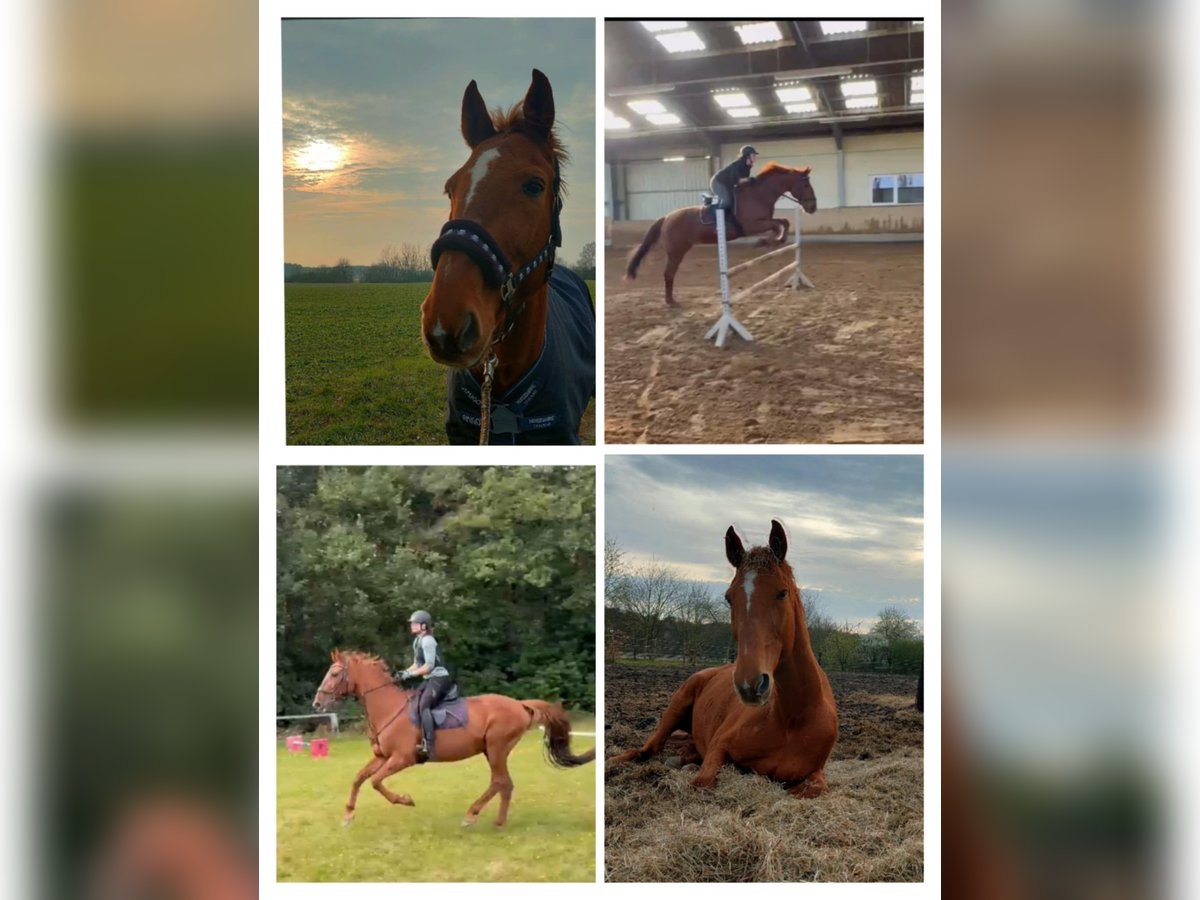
(696, 611)
(650, 594)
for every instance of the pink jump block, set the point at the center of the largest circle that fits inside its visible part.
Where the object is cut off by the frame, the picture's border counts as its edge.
(295, 744)
(320, 747)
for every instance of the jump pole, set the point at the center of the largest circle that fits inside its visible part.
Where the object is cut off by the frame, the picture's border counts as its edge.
(798, 279)
(727, 321)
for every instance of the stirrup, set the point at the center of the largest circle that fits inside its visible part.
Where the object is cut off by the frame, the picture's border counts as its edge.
(422, 753)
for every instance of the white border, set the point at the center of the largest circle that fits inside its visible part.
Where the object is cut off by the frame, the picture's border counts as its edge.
(275, 452)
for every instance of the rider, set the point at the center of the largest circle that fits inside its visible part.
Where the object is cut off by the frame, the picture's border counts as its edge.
(729, 177)
(429, 664)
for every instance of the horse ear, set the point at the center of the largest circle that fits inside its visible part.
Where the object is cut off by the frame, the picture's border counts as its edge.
(538, 106)
(807, 170)
(477, 124)
(778, 540)
(734, 551)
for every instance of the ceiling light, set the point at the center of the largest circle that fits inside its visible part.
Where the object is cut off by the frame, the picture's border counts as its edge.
(673, 158)
(743, 112)
(862, 102)
(663, 119)
(663, 25)
(809, 107)
(680, 41)
(863, 88)
(758, 32)
(843, 27)
(792, 94)
(737, 98)
(613, 122)
(645, 107)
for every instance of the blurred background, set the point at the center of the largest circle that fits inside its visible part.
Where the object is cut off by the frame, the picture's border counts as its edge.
(1062, 122)
(132, 384)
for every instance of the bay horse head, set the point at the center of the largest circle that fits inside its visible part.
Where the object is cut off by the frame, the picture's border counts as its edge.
(341, 679)
(498, 247)
(795, 182)
(765, 612)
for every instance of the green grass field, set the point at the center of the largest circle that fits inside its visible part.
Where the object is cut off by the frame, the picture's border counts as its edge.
(550, 835)
(357, 371)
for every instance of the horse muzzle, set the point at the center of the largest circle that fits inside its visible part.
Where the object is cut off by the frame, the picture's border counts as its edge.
(456, 346)
(755, 692)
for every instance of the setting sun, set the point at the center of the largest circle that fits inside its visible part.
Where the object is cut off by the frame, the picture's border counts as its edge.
(320, 156)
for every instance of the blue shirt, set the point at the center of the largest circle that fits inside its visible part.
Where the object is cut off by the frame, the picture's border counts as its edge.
(547, 403)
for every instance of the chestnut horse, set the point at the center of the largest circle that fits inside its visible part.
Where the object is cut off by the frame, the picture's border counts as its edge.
(515, 331)
(771, 711)
(755, 202)
(495, 725)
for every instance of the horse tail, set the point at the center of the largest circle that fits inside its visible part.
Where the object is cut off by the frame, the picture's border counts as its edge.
(558, 733)
(639, 254)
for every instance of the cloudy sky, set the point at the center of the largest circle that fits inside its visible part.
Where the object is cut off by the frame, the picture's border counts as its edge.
(371, 112)
(855, 523)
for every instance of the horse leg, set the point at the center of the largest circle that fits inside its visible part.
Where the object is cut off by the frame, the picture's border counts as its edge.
(673, 261)
(390, 767)
(713, 760)
(783, 225)
(679, 712)
(506, 782)
(497, 756)
(364, 773)
(812, 786)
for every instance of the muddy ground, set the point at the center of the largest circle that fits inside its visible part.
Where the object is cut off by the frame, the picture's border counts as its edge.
(868, 827)
(841, 363)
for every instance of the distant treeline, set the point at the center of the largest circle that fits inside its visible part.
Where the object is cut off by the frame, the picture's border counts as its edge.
(653, 612)
(402, 264)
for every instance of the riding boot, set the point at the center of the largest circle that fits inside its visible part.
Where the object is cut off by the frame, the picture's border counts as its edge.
(425, 751)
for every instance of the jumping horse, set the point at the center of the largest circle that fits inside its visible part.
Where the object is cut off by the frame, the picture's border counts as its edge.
(754, 201)
(772, 710)
(494, 726)
(517, 333)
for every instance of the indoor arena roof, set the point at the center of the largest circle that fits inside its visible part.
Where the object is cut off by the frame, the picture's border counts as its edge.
(676, 86)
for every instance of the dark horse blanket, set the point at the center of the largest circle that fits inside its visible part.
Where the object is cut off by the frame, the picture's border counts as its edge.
(547, 403)
(451, 714)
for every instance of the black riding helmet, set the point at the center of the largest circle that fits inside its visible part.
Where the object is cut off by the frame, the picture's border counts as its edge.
(747, 150)
(421, 618)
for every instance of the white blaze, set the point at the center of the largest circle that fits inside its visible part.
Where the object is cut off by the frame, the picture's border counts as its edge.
(748, 587)
(479, 172)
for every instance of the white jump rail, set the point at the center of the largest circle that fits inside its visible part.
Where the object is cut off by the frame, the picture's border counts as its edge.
(728, 322)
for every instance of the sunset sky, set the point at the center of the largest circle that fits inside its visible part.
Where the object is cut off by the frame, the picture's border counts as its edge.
(855, 523)
(371, 124)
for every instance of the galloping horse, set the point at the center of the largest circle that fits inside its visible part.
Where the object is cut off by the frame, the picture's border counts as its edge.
(682, 229)
(518, 333)
(494, 726)
(771, 711)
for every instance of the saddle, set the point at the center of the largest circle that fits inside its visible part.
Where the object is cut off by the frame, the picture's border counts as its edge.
(450, 713)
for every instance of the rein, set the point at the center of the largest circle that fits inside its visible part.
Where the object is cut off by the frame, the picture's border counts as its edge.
(473, 239)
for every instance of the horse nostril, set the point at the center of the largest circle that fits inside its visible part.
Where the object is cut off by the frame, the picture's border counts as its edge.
(764, 685)
(468, 334)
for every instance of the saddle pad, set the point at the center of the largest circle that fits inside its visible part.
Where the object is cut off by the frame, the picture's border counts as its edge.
(546, 405)
(448, 715)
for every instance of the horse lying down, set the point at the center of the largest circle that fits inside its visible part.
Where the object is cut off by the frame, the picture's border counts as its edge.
(772, 711)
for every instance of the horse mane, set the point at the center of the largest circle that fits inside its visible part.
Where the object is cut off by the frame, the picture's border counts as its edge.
(512, 121)
(370, 659)
(774, 168)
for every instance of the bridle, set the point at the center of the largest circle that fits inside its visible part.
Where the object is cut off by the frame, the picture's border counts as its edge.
(344, 678)
(473, 239)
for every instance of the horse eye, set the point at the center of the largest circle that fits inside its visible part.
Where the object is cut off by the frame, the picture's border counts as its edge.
(533, 187)
(782, 595)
